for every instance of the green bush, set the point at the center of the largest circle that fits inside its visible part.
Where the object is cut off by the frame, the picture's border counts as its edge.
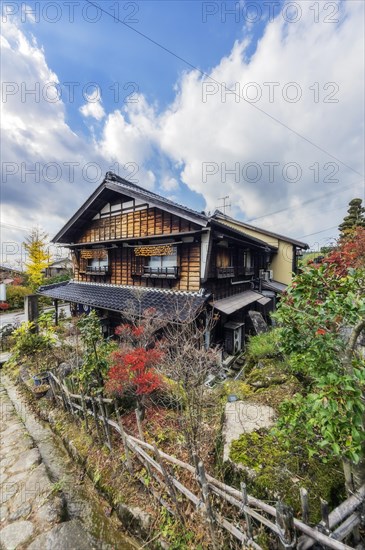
(15, 295)
(57, 279)
(263, 345)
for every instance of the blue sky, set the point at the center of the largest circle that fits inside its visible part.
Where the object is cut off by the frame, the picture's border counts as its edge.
(192, 147)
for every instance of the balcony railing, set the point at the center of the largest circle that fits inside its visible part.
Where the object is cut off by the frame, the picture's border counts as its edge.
(97, 270)
(224, 272)
(158, 272)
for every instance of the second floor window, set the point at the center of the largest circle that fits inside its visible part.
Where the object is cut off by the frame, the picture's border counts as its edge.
(156, 262)
(97, 265)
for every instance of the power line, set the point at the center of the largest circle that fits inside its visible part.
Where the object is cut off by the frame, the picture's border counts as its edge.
(203, 73)
(316, 233)
(309, 201)
(12, 226)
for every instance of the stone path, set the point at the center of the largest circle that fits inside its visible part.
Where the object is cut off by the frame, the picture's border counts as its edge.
(28, 500)
(35, 512)
(32, 513)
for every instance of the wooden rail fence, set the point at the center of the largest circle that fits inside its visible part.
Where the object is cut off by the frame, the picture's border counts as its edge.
(292, 532)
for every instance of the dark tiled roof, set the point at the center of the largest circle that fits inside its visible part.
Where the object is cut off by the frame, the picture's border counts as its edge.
(167, 303)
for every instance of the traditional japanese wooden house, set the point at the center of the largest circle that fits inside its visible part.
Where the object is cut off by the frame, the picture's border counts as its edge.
(133, 248)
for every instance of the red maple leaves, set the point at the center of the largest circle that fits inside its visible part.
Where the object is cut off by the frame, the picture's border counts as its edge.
(349, 253)
(134, 368)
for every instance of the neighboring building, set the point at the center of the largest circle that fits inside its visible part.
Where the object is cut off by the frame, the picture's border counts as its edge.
(288, 251)
(8, 274)
(133, 248)
(62, 266)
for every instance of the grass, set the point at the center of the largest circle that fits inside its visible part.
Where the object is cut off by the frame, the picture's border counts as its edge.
(263, 345)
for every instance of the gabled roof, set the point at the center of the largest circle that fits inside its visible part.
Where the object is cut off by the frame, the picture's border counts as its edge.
(170, 305)
(111, 185)
(223, 218)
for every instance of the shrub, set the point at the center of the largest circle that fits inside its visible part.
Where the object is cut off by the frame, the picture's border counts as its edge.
(264, 345)
(15, 295)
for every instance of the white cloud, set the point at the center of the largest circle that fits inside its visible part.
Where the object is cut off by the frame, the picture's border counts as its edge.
(93, 107)
(169, 184)
(227, 134)
(94, 110)
(231, 135)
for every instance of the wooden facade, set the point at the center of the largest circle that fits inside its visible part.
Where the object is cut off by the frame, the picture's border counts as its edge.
(146, 222)
(123, 232)
(127, 236)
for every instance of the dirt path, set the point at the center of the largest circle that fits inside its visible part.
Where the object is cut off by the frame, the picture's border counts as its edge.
(46, 503)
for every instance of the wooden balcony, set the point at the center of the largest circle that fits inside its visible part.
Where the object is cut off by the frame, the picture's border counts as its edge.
(225, 272)
(101, 271)
(148, 272)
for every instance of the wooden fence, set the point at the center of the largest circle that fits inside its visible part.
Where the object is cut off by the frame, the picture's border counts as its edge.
(245, 509)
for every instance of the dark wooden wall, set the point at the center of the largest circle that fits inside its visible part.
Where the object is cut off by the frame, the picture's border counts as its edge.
(141, 223)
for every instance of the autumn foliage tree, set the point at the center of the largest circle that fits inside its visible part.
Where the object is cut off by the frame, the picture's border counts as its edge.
(36, 246)
(349, 253)
(133, 366)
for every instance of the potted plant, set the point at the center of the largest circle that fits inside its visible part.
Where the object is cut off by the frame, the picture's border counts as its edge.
(41, 390)
(41, 378)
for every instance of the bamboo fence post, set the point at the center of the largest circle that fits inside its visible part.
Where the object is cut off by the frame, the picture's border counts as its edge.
(93, 404)
(305, 504)
(51, 383)
(244, 504)
(124, 440)
(105, 423)
(69, 399)
(208, 512)
(285, 524)
(139, 425)
(140, 431)
(169, 485)
(63, 395)
(325, 515)
(84, 411)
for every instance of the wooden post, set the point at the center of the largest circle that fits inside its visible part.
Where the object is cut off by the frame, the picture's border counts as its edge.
(93, 404)
(64, 401)
(245, 503)
(325, 513)
(124, 440)
(105, 423)
(305, 504)
(207, 506)
(56, 312)
(139, 425)
(51, 383)
(285, 524)
(69, 399)
(84, 411)
(169, 485)
(31, 310)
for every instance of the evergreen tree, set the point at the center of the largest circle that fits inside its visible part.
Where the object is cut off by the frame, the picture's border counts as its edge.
(355, 218)
(36, 245)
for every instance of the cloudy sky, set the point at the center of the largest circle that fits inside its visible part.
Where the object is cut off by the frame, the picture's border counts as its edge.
(258, 101)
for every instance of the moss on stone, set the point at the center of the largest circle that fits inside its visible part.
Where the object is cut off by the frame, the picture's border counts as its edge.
(281, 468)
(238, 388)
